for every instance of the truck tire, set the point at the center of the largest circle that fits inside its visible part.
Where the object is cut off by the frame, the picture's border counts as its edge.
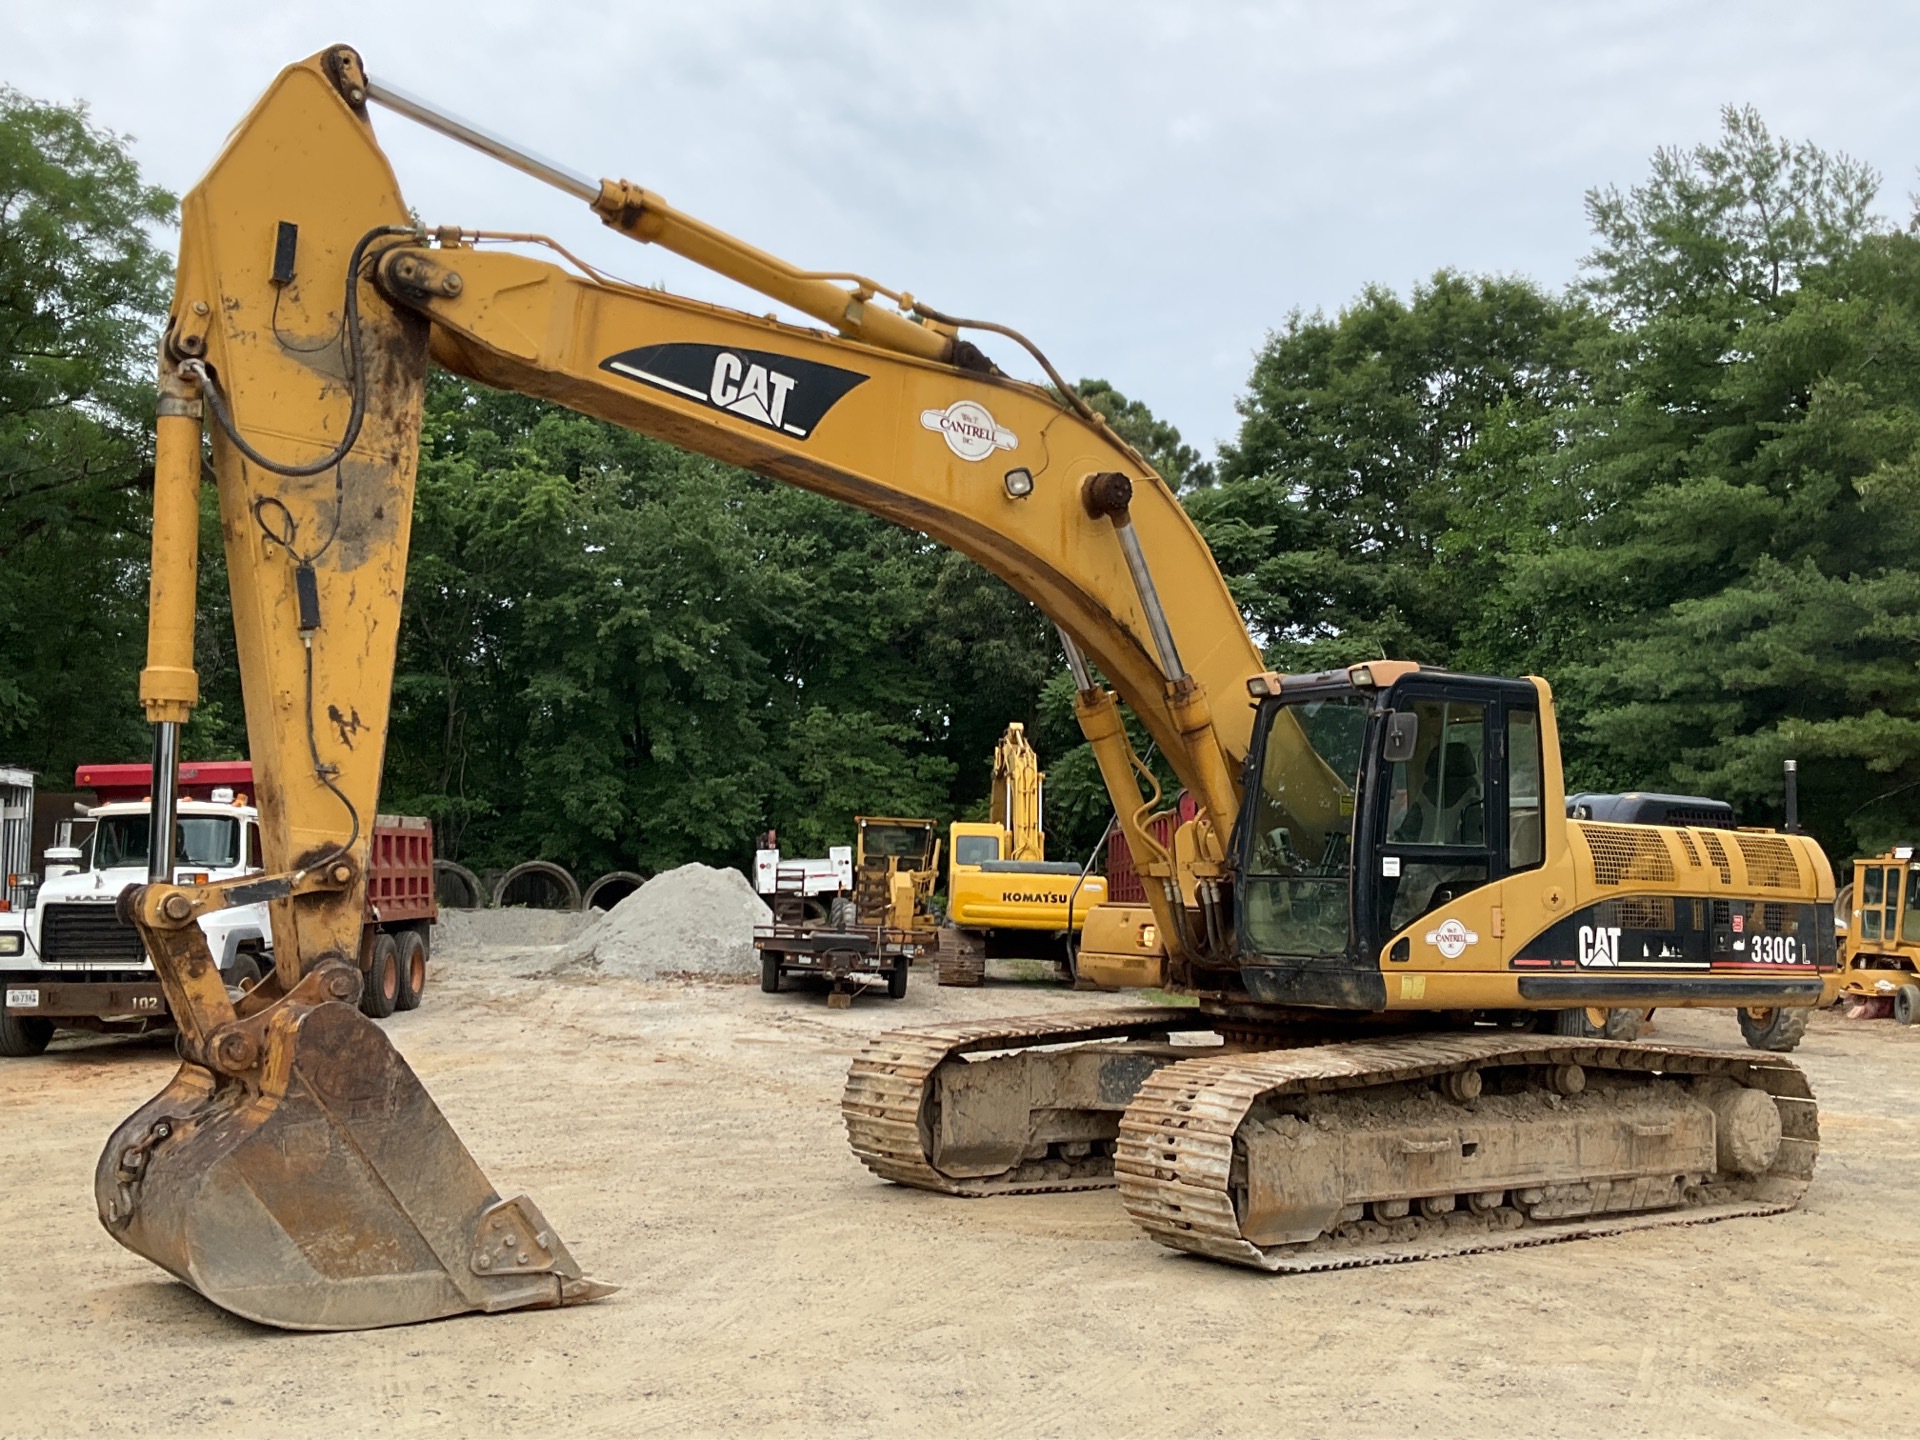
(770, 971)
(1774, 1027)
(897, 979)
(381, 992)
(244, 973)
(412, 970)
(1598, 1023)
(23, 1036)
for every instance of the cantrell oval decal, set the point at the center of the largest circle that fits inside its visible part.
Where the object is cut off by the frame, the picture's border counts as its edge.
(781, 392)
(970, 430)
(1452, 939)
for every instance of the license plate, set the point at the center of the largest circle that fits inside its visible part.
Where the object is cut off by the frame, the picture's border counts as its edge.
(23, 999)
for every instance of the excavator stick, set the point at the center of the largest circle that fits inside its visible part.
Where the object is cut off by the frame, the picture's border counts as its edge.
(295, 1171)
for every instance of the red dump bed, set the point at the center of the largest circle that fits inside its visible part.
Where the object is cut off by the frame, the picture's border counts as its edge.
(400, 878)
(117, 783)
(1123, 880)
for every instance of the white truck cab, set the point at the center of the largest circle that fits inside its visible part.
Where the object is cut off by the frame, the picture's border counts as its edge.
(70, 960)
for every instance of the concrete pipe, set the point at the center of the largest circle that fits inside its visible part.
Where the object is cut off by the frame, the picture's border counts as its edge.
(537, 885)
(611, 888)
(456, 887)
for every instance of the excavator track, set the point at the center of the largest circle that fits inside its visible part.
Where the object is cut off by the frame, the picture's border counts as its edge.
(890, 1104)
(1202, 1135)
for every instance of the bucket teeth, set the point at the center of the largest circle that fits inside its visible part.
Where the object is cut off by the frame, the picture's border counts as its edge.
(322, 1189)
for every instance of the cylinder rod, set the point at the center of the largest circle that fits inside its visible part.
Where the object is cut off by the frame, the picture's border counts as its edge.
(646, 217)
(1076, 661)
(166, 801)
(485, 141)
(1149, 598)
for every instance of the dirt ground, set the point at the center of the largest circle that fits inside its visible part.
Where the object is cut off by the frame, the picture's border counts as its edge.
(686, 1140)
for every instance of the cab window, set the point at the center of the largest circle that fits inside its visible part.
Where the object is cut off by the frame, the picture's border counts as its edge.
(1526, 835)
(1872, 891)
(1437, 803)
(1439, 796)
(975, 849)
(1294, 896)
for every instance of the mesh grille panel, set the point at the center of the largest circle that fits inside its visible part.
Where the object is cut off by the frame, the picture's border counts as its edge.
(1717, 853)
(1770, 861)
(1647, 912)
(1627, 852)
(1693, 853)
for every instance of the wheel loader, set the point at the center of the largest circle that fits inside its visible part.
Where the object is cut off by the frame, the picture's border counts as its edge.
(1879, 919)
(1378, 908)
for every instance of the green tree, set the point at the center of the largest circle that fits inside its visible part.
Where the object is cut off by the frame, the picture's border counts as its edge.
(1365, 507)
(81, 288)
(1176, 462)
(1785, 537)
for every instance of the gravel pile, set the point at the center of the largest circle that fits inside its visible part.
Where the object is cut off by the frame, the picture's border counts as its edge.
(694, 920)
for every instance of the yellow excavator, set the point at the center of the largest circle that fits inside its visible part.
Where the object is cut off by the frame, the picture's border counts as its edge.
(1005, 899)
(1380, 907)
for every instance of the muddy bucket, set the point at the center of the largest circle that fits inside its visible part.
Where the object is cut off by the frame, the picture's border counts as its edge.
(322, 1189)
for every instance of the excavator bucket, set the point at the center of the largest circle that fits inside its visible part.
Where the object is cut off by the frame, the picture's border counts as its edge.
(322, 1189)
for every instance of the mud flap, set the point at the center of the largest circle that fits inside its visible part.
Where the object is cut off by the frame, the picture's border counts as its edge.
(324, 1190)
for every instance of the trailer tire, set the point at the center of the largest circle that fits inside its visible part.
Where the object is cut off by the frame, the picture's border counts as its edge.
(897, 979)
(770, 971)
(381, 992)
(1774, 1027)
(23, 1036)
(412, 970)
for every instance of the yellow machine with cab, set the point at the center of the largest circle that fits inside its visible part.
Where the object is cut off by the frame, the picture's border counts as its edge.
(1005, 899)
(1390, 934)
(1878, 915)
(896, 863)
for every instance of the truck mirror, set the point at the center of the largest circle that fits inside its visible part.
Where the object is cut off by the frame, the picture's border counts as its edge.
(1403, 730)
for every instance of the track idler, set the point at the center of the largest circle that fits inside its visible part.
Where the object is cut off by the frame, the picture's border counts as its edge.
(303, 1177)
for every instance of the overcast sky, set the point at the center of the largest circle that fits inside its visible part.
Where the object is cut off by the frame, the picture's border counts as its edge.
(1144, 189)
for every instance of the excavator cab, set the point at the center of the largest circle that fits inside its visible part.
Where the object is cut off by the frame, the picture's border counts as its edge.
(1373, 806)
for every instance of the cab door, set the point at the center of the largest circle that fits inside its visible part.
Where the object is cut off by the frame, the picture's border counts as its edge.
(1460, 811)
(1880, 904)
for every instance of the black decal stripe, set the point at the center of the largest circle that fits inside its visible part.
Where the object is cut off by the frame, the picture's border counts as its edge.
(687, 369)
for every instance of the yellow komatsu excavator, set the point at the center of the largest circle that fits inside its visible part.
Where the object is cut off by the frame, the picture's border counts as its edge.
(1379, 898)
(1005, 899)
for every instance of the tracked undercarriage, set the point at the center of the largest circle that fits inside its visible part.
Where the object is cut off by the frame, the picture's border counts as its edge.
(1328, 1156)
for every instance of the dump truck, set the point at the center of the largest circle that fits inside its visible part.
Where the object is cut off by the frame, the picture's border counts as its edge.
(78, 964)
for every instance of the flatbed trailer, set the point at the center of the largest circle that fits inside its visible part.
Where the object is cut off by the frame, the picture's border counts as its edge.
(849, 956)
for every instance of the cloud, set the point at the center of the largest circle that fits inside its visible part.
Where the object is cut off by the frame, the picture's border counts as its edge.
(1145, 189)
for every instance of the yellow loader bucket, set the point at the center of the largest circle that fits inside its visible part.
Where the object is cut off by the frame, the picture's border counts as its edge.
(315, 1185)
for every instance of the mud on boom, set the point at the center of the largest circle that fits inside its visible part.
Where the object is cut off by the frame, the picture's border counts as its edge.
(1378, 894)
